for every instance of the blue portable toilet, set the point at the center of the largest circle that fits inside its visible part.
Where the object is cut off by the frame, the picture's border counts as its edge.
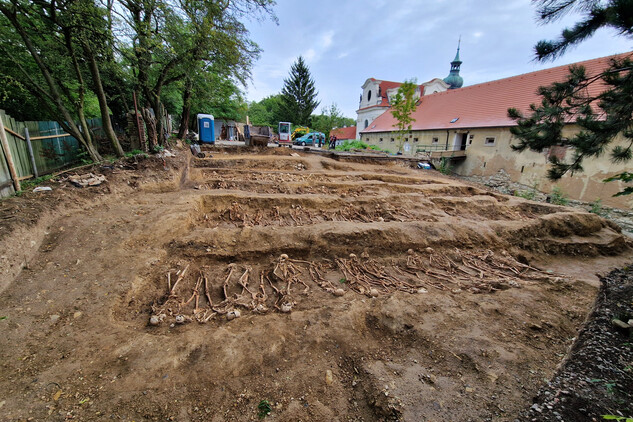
(206, 128)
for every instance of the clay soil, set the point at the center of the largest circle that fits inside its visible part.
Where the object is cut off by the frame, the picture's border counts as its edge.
(273, 285)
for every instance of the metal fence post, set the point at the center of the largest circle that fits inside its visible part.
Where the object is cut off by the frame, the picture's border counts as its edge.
(31, 155)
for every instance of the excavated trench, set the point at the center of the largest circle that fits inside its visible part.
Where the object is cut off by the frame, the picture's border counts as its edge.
(332, 291)
(271, 238)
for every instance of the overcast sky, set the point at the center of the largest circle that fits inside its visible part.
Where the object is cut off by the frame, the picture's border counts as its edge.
(345, 42)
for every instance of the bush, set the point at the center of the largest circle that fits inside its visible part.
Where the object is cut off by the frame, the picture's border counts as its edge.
(558, 197)
(349, 145)
(528, 194)
(445, 166)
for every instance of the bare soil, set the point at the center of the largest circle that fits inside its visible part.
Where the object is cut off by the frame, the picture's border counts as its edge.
(596, 378)
(273, 285)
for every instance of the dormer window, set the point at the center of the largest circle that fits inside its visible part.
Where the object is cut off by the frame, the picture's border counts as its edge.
(369, 96)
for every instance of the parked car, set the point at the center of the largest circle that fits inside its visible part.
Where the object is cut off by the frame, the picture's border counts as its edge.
(310, 139)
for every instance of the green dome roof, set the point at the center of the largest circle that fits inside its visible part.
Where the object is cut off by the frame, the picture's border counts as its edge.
(453, 78)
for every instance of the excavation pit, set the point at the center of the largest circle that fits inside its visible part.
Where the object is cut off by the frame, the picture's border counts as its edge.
(337, 291)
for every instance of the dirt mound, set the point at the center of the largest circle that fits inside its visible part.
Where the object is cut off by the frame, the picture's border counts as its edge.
(596, 378)
(313, 289)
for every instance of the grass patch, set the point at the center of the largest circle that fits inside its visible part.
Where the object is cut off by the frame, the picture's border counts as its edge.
(31, 183)
(264, 407)
(350, 145)
(135, 152)
(558, 197)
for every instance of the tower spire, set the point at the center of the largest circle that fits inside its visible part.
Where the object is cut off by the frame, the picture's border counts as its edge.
(459, 42)
(453, 78)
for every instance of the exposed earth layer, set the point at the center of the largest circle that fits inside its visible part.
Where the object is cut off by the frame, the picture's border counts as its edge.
(290, 286)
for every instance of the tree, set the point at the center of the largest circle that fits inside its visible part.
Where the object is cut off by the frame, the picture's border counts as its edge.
(601, 104)
(266, 112)
(40, 40)
(330, 118)
(299, 94)
(403, 105)
(172, 37)
(72, 32)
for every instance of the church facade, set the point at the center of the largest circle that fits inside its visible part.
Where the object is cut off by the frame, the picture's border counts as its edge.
(377, 94)
(472, 123)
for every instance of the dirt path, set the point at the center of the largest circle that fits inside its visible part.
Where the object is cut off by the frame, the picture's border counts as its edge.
(438, 314)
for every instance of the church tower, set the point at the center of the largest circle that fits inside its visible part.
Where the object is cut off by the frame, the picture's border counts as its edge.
(453, 79)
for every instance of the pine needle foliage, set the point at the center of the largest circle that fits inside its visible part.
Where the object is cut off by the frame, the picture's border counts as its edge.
(601, 114)
(298, 96)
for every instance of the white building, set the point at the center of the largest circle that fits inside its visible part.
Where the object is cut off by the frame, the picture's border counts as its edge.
(377, 94)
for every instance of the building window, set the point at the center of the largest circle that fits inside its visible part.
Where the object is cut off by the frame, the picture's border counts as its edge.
(369, 96)
(435, 140)
(366, 123)
(380, 140)
(415, 139)
(393, 140)
(366, 139)
(489, 141)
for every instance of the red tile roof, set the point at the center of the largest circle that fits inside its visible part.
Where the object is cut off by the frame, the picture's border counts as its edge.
(486, 104)
(384, 86)
(344, 132)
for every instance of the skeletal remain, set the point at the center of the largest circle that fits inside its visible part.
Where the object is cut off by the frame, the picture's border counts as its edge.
(286, 307)
(477, 272)
(231, 315)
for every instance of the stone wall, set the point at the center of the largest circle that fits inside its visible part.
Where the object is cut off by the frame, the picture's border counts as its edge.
(501, 182)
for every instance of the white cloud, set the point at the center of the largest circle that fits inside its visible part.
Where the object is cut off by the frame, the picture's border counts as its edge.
(343, 55)
(327, 39)
(309, 55)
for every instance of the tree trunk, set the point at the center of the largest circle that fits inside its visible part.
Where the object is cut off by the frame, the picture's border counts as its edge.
(54, 95)
(84, 127)
(103, 104)
(150, 124)
(158, 112)
(186, 110)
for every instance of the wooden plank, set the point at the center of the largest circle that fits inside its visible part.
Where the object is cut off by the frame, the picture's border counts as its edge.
(6, 183)
(18, 149)
(28, 176)
(8, 156)
(36, 138)
(17, 135)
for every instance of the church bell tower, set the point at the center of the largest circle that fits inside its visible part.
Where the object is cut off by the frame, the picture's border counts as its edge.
(453, 79)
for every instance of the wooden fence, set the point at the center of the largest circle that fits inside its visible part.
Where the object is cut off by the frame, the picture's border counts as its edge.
(50, 149)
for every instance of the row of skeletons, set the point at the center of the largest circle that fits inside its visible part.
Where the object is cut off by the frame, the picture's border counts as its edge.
(461, 270)
(299, 216)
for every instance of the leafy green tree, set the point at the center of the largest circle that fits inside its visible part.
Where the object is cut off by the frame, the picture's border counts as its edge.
(403, 105)
(299, 94)
(601, 114)
(16, 99)
(172, 37)
(330, 118)
(266, 112)
(48, 47)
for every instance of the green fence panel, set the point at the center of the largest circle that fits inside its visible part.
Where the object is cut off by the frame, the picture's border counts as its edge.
(50, 154)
